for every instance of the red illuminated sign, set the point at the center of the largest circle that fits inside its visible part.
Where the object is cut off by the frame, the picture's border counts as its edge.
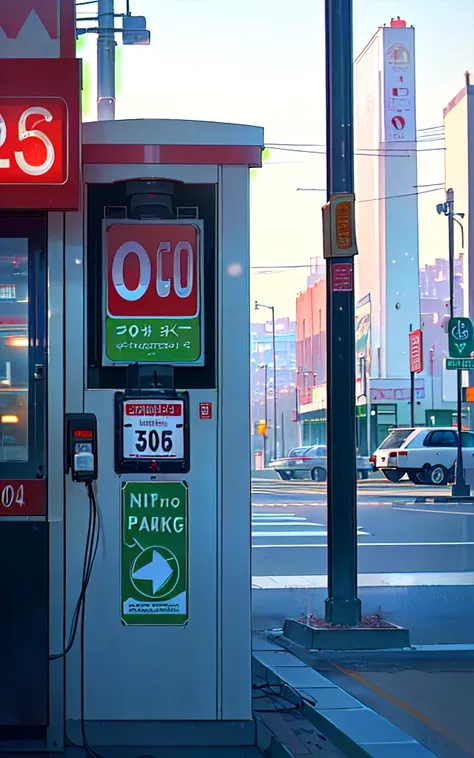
(83, 434)
(39, 134)
(33, 141)
(152, 270)
(23, 497)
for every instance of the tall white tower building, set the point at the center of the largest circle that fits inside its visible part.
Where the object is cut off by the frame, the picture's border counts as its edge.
(386, 194)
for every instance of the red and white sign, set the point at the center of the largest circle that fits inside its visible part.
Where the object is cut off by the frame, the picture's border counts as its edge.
(398, 123)
(39, 134)
(205, 411)
(152, 270)
(33, 139)
(342, 277)
(153, 430)
(416, 351)
(23, 497)
(37, 28)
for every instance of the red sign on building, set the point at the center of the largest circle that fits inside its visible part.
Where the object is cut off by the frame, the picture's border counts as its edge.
(416, 351)
(205, 411)
(152, 270)
(40, 134)
(23, 497)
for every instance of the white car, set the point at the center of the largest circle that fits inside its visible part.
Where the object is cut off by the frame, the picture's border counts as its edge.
(302, 462)
(426, 454)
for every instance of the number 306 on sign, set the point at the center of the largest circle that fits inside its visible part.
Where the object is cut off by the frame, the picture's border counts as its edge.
(153, 430)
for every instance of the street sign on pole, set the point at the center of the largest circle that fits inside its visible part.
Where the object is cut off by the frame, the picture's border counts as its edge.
(460, 364)
(154, 553)
(460, 337)
(416, 351)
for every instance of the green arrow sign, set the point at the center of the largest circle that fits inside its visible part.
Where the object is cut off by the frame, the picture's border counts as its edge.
(460, 337)
(154, 553)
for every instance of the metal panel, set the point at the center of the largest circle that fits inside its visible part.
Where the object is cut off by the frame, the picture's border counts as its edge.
(55, 472)
(24, 625)
(234, 436)
(104, 174)
(169, 132)
(140, 673)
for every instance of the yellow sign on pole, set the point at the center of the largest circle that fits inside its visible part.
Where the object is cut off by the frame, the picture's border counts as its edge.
(339, 226)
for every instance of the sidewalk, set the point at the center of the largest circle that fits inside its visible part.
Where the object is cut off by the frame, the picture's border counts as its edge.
(322, 688)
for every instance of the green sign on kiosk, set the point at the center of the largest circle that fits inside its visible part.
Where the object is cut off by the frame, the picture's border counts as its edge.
(154, 553)
(460, 337)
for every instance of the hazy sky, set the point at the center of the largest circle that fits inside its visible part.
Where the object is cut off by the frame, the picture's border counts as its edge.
(262, 62)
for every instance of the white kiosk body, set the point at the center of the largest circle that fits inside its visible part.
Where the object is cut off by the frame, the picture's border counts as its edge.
(144, 673)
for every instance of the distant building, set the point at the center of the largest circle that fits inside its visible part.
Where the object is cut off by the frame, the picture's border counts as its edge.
(261, 355)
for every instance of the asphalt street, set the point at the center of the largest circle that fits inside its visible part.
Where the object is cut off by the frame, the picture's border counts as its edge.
(416, 561)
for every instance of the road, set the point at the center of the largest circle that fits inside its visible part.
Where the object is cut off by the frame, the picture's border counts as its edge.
(416, 561)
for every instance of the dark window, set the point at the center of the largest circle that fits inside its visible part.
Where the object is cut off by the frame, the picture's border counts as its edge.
(441, 438)
(395, 439)
(22, 346)
(467, 439)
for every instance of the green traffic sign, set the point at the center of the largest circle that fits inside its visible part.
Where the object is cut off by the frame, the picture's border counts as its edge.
(460, 364)
(154, 553)
(460, 337)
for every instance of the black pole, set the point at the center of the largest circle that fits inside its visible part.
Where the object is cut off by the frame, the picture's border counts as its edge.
(282, 434)
(275, 455)
(342, 604)
(265, 436)
(460, 488)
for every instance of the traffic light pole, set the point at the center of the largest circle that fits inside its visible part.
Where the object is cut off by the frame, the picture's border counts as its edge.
(342, 605)
(106, 61)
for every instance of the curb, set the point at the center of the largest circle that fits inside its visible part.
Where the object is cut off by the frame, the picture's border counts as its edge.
(352, 727)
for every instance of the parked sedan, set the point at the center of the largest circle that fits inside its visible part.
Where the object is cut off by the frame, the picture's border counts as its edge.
(302, 462)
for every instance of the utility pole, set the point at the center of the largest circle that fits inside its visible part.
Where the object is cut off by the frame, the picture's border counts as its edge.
(106, 61)
(275, 443)
(460, 488)
(342, 605)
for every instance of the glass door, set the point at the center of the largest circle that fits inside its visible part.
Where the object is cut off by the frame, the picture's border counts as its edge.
(22, 349)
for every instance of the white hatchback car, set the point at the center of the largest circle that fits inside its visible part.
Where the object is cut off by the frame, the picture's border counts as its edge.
(426, 454)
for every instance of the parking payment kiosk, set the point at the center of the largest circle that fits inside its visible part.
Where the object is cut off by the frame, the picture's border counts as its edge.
(156, 345)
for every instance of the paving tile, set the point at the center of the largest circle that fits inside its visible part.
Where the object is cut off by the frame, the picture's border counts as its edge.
(261, 642)
(299, 677)
(274, 658)
(330, 697)
(413, 750)
(364, 726)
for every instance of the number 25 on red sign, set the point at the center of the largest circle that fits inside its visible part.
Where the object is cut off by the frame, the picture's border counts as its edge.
(32, 142)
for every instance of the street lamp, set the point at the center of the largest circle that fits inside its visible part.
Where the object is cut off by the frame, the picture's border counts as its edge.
(272, 309)
(460, 488)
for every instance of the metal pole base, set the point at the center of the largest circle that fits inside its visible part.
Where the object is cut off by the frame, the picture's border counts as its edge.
(340, 612)
(460, 489)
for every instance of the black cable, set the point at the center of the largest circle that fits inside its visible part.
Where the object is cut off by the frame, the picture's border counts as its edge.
(89, 557)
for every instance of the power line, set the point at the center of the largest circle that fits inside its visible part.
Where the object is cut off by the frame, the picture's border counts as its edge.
(369, 152)
(433, 188)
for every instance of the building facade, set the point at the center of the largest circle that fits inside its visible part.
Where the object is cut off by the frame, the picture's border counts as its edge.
(261, 376)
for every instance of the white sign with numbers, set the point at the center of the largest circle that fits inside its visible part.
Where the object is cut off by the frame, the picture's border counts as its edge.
(153, 430)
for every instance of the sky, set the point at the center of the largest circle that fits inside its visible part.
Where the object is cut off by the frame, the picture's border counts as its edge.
(262, 62)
